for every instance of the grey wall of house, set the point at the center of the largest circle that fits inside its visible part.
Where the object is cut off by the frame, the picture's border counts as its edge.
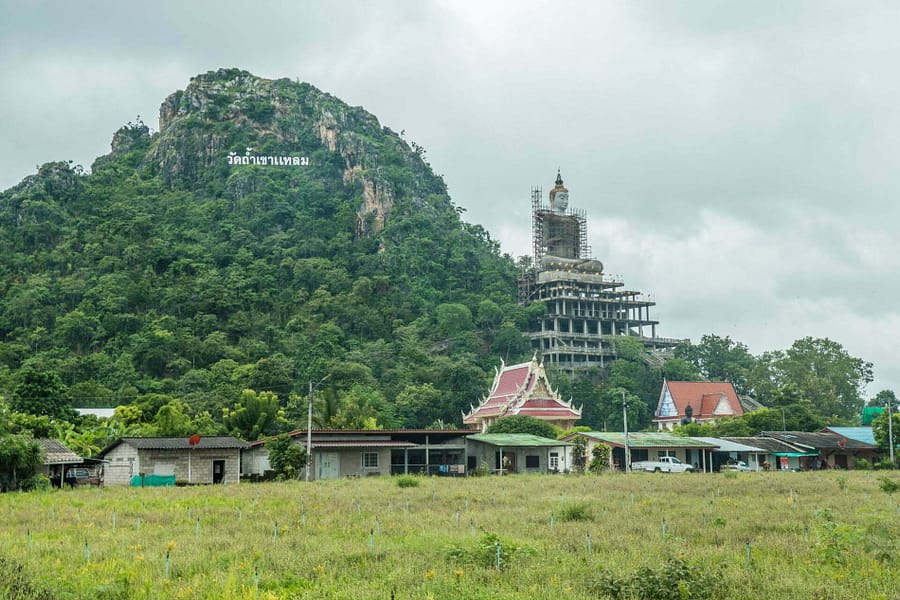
(123, 464)
(352, 462)
(198, 461)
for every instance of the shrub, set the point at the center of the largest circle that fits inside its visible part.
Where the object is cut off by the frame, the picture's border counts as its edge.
(862, 464)
(884, 464)
(407, 481)
(576, 511)
(889, 486)
(36, 483)
(600, 458)
(481, 470)
(484, 552)
(675, 580)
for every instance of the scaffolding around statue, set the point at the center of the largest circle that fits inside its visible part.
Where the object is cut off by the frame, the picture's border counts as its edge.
(588, 312)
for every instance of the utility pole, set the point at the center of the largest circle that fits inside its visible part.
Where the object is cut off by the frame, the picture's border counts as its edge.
(891, 432)
(625, 423)
(312, 388)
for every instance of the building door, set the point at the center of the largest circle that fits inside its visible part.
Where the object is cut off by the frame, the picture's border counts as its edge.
(218, 471)
(329, 467)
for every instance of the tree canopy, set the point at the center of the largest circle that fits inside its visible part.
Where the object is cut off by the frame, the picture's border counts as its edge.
(524, 424)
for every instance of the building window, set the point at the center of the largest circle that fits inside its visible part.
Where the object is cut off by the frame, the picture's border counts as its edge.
(370, 460)
(663, 453)
(532, 462)
(554, 461)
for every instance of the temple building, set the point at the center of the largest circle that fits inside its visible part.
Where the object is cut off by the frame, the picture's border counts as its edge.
(682, 402)
(522, 389)
(586, 309)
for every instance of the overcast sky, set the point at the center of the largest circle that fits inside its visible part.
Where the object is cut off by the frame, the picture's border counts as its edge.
(736, 160)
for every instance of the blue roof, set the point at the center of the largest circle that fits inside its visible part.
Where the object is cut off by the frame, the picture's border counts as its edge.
(860, 434)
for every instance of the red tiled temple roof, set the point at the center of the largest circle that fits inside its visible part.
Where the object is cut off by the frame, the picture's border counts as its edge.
(522, 389)
(704, 397)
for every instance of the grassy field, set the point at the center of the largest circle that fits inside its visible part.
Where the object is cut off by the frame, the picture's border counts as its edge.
(751, 535)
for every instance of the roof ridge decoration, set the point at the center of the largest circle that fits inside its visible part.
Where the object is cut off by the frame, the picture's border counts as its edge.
(522, 389)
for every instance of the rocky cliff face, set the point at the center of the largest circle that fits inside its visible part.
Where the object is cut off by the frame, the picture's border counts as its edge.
(231, 111)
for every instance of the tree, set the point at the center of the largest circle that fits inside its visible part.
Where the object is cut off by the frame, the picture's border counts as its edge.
(600, 458)
(720, 359)
(286, 459)
(883, 398)
(20, 458)
(579, 455)
(523, 424)
(881, 431)
(419, 405)
(41, 392)
(254, 415)
(171, 420)
(679, 369)
(821, 371)
(638, 410)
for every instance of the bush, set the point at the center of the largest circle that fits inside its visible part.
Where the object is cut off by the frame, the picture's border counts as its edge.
(884, 464)
(576, 511)
(481, 470)
(37, 483)
(862, 464)
(407, 481)
(673, 581)
(484, 552)
(889, 486)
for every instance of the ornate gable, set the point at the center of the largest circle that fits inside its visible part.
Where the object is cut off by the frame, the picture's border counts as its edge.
(522, 389)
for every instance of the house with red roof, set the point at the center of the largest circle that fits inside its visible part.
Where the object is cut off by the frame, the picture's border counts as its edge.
(522, 389)
(696, 401)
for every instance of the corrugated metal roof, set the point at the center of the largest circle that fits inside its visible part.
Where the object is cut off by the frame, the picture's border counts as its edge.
(728, 445)
(211, 442)
(770, 445)
(644, 439)
(819, 441)
(860, 434)
(361, 444)
(57, 453)
(516, 440)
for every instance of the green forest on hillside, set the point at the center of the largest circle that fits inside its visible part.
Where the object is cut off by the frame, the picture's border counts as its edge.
(227, 278)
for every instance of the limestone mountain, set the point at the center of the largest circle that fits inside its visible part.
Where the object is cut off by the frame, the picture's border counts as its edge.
(265, 235)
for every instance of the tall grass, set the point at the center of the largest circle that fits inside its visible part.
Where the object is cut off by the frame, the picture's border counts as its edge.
(763, 535)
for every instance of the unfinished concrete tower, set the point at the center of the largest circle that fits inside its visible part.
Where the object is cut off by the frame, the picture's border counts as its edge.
(586, 310)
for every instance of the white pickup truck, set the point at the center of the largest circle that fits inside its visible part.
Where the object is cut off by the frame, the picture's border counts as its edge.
(666, 464)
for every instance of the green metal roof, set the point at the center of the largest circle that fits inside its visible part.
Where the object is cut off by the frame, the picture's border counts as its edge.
(796, 454)
(645, 439)
(516, 440)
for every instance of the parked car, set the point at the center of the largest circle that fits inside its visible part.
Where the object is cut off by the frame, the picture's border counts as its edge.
(666, 464)
(80, 476)
(738, 465)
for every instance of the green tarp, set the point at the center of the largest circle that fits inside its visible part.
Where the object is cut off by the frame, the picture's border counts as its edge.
(152, 480)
